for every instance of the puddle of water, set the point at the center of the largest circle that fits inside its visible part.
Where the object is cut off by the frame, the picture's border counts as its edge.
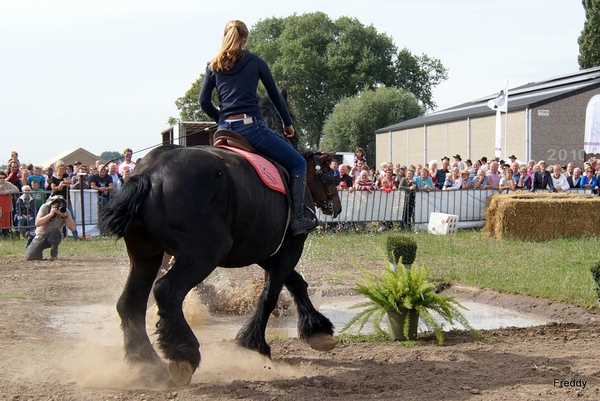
(480, 316)
(487, 317)
(100, 323)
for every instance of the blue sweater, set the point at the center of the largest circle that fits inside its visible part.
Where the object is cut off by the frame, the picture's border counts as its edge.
(237, 90)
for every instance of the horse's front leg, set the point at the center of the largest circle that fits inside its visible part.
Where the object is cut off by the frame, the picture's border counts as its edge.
(132, 311)
(313, 326)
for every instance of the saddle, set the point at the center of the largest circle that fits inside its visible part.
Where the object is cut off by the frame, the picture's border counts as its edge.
(269, 172)
(232, 139)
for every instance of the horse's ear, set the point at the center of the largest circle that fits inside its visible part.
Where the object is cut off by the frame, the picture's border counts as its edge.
(326, 157)
(284, 94)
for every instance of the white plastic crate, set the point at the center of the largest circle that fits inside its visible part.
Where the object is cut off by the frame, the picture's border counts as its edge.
(442, 224)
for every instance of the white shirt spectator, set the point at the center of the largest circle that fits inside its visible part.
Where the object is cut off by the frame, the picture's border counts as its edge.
(561, 182)
(122, 165)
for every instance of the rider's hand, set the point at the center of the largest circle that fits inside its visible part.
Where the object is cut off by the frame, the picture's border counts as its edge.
(289, 131)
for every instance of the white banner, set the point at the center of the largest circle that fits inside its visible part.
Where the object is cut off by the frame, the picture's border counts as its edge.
(591, 144)
(89, 202)
(500, 102)
(498, 141)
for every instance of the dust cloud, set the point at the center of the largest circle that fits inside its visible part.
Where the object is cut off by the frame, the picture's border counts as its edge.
(98, 360)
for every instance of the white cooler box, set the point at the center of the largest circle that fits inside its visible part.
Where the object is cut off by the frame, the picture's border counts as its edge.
(441, 223)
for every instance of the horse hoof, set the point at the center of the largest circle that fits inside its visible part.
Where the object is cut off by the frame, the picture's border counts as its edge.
(156, 372)
(181, 372)
(322, 342)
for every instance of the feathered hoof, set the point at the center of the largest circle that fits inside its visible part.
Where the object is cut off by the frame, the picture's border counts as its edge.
(322, 342)
(155, 372)
(181, 372)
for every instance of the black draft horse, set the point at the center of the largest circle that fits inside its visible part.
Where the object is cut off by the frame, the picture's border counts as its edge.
(207, 207)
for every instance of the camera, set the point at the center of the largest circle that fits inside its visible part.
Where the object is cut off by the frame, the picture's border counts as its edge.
(62, 208)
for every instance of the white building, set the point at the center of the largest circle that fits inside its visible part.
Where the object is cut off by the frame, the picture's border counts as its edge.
(545, 121)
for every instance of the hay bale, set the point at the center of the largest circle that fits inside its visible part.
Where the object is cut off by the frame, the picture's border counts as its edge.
(542, 216)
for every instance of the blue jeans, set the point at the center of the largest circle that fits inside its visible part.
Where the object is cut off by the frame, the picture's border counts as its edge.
(22, 222)
(268, 143)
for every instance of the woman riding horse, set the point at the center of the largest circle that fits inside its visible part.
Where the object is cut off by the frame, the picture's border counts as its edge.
(235, 72)
(217, 212)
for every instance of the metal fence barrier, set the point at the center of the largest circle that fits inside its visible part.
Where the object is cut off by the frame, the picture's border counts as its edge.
(85, 210)
(408, 208)
(413, 208)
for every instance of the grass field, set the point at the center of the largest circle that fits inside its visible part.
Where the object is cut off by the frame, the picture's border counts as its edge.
(90, 247)
(558, 269)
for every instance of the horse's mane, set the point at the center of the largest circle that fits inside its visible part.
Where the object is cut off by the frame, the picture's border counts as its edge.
(272, 118)
(309, 153)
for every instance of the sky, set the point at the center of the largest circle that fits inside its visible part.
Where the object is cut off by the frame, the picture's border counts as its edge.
(104, 75)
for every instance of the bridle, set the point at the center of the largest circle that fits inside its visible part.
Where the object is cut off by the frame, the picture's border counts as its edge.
(327, 180)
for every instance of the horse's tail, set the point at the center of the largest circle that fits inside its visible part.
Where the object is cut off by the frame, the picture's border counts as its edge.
(118, 215)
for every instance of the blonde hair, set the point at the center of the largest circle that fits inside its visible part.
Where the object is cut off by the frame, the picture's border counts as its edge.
(58, 163)
(231, 47)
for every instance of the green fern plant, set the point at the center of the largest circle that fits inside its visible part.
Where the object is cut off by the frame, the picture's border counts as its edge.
(401, 247)
(400, 290)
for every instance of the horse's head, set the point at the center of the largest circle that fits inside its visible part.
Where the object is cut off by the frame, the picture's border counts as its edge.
(321, 183)
(272, 119)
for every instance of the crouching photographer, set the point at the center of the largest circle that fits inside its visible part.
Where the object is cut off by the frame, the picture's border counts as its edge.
(50, 221)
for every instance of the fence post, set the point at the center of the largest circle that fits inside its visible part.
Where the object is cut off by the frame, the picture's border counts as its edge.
(82, 209)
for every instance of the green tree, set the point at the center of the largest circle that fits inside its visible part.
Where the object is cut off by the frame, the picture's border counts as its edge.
(112, 155)
(419, 75)
(353, 120)
(321, 61)
(589, 40)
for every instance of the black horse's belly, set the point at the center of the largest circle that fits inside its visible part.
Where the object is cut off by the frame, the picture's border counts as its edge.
(259, 231)
(259, 216)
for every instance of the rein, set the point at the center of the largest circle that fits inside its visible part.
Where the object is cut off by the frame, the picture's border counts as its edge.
(207, 129)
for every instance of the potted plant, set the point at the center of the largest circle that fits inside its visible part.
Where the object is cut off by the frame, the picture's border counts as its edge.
(401, 246)
(405, 296)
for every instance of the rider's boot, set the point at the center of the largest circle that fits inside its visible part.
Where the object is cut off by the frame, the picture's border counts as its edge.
(299, 223)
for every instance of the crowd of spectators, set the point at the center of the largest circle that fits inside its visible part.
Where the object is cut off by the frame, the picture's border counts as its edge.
(455, 175)
(28, 186)
(451, 175)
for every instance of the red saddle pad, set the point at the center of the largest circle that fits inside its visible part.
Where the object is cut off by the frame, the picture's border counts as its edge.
(266, 170)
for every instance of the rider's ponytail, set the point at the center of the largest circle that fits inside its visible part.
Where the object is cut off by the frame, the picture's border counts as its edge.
(232, 46)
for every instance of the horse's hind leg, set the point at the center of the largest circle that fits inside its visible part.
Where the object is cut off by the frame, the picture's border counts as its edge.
(252, 335)
(313, 327)
(132, 306)
(175, 337)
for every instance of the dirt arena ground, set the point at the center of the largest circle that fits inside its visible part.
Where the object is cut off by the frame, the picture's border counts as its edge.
(40, 361)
